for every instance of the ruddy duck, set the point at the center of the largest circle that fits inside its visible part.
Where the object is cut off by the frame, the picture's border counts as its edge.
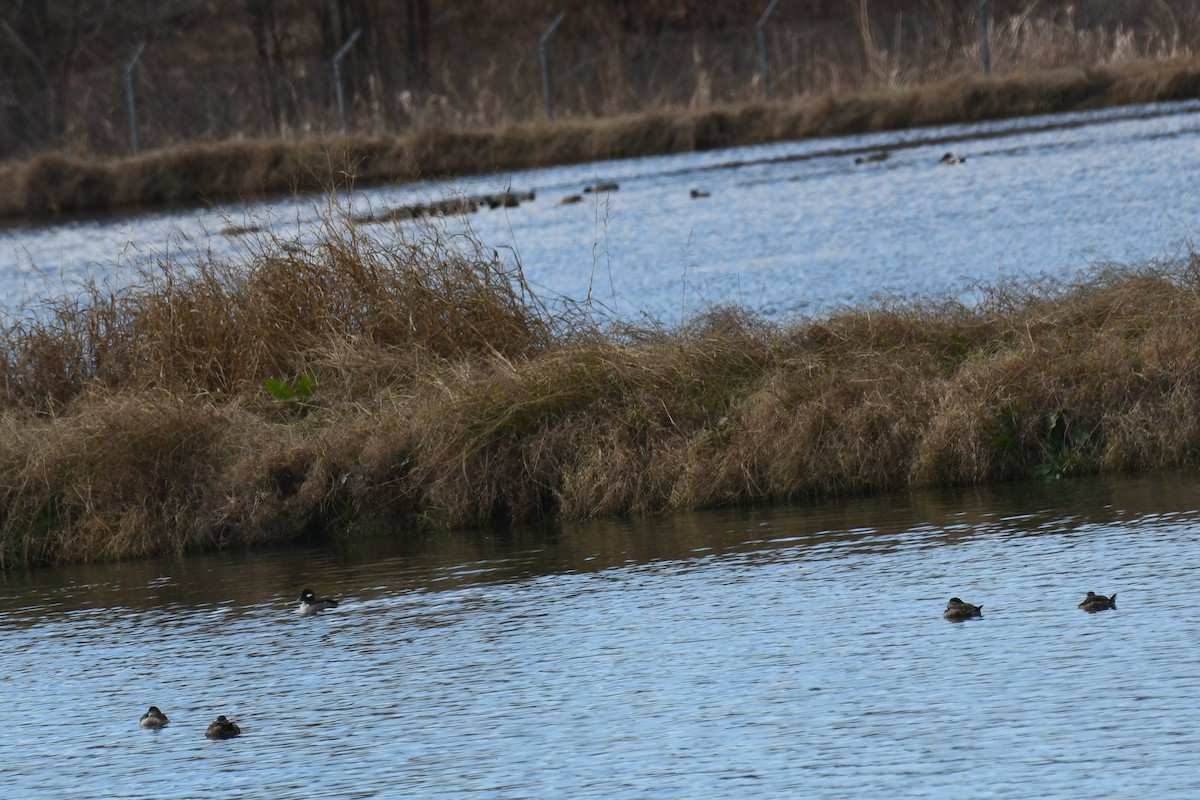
(1098, 602)
(311, 604)
(950, 158)
(957, 610)
(883, 155)
(222, 728)
(153, 719)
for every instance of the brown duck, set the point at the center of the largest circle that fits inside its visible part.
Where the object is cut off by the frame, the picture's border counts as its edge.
(222, 728)
(1098, 602)
(957, 610)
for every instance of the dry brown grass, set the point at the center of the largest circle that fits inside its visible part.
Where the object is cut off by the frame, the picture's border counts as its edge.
(218, 327)
(54, 184)
(445, 395)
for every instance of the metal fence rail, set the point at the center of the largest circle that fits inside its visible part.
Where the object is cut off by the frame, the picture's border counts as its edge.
(150, 101)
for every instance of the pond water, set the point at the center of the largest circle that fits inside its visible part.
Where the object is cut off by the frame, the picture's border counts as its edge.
(788, 229)
(792, 652)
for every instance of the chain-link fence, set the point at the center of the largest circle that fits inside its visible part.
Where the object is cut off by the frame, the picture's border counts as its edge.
(238, 96)
(166, 98)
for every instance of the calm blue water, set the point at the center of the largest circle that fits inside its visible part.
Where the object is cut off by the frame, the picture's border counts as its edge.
(790, 228)
(783, 653)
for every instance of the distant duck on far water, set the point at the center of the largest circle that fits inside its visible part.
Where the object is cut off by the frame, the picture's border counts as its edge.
(1098, 602)
(222, 728)
(882, 155)
(310, 604)
(958, 611)
(153, 719)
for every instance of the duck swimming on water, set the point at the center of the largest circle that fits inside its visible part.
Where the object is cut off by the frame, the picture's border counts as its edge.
(153, 719)
(310, 604)
(957, 610)
(1098, 602)
(222, 728)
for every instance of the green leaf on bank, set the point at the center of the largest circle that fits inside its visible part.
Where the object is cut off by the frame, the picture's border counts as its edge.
(297, 392)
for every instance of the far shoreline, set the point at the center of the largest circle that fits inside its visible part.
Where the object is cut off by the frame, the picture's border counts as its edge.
(53, 186)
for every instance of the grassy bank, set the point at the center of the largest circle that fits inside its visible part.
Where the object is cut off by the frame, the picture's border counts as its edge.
(295, 395)
(53, 184)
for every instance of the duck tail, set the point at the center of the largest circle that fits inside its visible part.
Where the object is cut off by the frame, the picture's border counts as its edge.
(1112, 601)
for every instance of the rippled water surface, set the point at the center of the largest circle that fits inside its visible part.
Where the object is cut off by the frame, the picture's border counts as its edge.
(789, 228)
(784, 653)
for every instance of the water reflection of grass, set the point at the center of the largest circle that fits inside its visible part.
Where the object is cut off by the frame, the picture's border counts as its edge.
(53, 184)
(438, 391)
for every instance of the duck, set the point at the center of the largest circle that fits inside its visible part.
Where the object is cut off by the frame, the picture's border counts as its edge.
(153, 719)
(1098, 602)
(222, 728)
(950, 158)
(883, 155)
(699, 193)
(957, 610)
(311, 604)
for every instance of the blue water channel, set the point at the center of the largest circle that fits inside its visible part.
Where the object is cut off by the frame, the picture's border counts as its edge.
(795, 652)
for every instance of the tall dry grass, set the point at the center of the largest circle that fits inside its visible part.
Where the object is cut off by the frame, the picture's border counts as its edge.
(139, 422)
(55, 184)
(216, 328)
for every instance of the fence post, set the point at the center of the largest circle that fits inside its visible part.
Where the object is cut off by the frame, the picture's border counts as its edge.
(984, 51)
(764, 67)
(546, 64)
(337, 75)
(131, 97)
